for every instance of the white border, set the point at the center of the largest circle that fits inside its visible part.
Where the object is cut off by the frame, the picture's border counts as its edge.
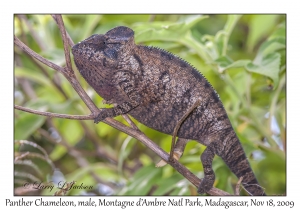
(154, 6)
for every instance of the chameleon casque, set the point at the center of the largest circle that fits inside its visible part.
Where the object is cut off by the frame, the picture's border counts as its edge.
(157, 88)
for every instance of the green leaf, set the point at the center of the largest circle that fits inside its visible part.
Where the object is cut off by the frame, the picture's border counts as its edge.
(58, 152)
(178, 32)
(269, 66)
(33, 76)
(142, 181)
(169, 184)
(270, 47)
(222, 37)
(224, 61)
(279, 32)
(71, 131)
(49, 94)
(166, 31)
(206, 52)
(231, 22)
(260, 26)
(225, 64)
(124, 152)
(55, 55)
(27, 124)
(80, 172)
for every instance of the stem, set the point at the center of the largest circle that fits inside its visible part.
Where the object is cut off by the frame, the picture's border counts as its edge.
(229, 26)
(63, 32)
(50, 114)
(33, 32)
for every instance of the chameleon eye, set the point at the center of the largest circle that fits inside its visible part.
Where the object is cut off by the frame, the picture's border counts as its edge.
(104, 42)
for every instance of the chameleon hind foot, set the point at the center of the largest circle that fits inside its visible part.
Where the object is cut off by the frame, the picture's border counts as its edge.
(205, 185)
(209, 175)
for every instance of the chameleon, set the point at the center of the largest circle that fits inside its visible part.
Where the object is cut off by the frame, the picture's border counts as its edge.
(157, 88)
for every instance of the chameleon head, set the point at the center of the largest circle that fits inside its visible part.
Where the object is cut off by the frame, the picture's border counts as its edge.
(104, 51)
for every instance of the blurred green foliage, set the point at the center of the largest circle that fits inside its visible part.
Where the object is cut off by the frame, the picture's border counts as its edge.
(242, 56)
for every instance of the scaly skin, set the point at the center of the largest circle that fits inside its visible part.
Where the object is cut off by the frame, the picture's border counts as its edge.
(157, 88)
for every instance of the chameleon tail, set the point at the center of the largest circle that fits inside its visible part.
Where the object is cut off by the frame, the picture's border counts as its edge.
(234, 156)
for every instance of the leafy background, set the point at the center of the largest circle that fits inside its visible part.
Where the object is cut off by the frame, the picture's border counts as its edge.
(242, 56)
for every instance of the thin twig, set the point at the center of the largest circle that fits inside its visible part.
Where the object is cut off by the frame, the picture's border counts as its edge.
(33, 32)
(33, 145)
(43, 60)
(237, 187)
(35, 155)
(47, 75)
(63, 32)
(21, 156)
(30, 164)
(178, 126)
(50, 114)
(22, 35)
(70, 41)
(27, 87)
(129, 121)
(26, 176)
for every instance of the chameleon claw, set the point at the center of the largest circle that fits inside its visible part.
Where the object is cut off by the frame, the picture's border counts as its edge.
(107, 102)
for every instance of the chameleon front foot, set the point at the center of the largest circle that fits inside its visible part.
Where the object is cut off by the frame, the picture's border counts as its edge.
(162, 163)
(104, 113)
(99, 118)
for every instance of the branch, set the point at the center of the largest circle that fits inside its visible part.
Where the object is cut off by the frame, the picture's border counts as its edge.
(70, 76)
(63, 32)
(70, 41)
(33, 54)
(33, 32)
(237, 187)
(130, 122)
(51, 115)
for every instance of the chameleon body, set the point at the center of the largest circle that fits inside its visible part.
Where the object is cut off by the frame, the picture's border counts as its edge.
(157, 88)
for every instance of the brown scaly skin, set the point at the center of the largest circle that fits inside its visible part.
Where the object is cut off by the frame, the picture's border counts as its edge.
(157, 88)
